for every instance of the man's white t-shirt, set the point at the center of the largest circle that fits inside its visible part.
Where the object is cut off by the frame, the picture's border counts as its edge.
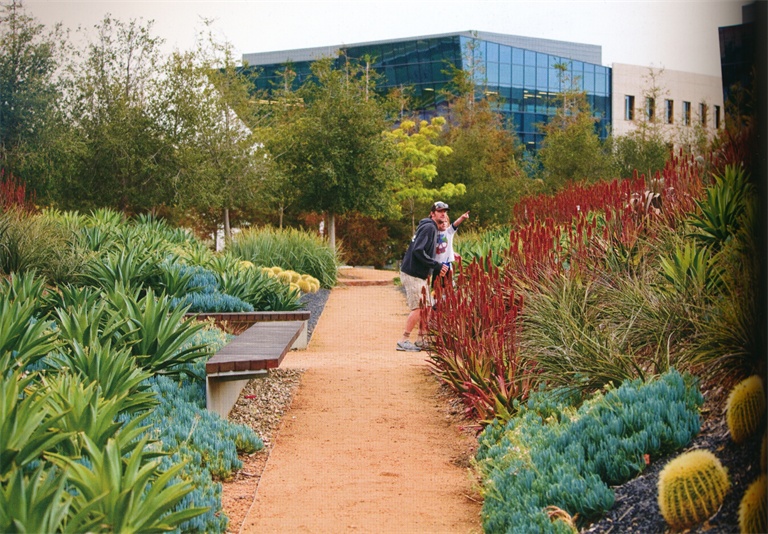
(444, 249)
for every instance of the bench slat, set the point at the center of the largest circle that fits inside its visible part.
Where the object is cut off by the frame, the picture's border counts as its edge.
(262, 346)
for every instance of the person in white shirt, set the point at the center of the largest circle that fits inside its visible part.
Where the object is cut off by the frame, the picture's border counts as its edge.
(444, 252)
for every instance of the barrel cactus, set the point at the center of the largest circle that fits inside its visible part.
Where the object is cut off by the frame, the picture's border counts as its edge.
(753, 514)
(692, 488)
(745, 408)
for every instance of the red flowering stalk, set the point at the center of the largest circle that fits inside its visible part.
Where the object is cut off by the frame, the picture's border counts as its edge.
(473, 341)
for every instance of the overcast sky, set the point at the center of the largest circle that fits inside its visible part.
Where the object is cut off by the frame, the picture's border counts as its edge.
(673, 34)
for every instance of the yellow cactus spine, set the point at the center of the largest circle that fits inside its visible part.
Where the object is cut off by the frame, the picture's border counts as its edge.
(745, 408)
(692, 488)
(753, 514)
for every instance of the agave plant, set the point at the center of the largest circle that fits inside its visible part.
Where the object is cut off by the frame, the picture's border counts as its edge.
(722, 209)
(87, 413)
(126, 489)
(126, 268)
(157, 333)
(114, 370)
(26, 421)
(21, 334)
(38, 502)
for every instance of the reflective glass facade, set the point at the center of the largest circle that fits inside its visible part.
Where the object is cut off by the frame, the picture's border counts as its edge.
(525, 81)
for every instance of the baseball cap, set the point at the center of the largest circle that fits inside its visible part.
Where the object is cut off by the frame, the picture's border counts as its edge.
(439, 206)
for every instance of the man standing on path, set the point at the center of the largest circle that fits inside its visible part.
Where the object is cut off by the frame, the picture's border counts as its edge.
(418, 264)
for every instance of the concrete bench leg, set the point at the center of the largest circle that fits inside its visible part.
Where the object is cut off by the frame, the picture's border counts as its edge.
(222, 392)
(303, 340)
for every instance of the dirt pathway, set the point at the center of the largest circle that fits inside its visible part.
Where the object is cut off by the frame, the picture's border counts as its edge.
(366, 445)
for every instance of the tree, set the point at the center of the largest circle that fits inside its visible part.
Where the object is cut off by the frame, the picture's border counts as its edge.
(333, 152)
(645, 147)
(571, 150)
(416, 162)
(485, 155)
(123, 149)
(31, 123)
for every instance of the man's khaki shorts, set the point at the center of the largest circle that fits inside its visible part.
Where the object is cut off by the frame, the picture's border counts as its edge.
(413, 290)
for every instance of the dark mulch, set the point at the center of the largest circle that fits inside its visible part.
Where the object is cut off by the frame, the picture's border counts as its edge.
(636, 508)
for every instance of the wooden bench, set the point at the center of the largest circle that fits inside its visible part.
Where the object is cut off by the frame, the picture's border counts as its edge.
(238, 322)
(251, 354)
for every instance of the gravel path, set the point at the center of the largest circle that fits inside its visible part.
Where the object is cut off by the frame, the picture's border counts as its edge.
(358, 436)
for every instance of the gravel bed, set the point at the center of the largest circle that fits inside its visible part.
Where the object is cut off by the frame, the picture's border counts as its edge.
(314, 303)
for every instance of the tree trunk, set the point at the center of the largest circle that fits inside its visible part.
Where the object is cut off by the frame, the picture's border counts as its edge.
(332, 230)
(227, 228)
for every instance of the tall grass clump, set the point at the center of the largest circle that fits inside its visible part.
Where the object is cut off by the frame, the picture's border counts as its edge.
(292, 249)
(37, 242)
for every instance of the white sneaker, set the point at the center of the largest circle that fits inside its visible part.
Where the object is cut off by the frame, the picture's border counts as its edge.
(407, 346)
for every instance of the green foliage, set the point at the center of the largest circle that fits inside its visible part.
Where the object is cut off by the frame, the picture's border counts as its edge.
(126, 269)
(571, 150)
(156, 332)
(745, 408)
(486, 154)
(550, 454)
(114, 370)
(37, 501)
(87, 414)
(692, 488)
(477, 245)
(263, 292)
(26, 421)
(575, 337)
(722, 210)
(126, 488)
(292, 249)
(36, 242)
(332, 152)
(644, 152)
(690, 270)
(23, 339)
(753, 511)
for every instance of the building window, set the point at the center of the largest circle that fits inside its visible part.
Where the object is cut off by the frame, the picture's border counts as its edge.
(686, 113)
(669, 111)
(703, 114)
(717, 117)
(650, 109)
(629, 108)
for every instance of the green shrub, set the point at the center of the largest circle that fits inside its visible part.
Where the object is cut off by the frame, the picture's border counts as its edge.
(292, 249)
(474, 245)
(550, 455)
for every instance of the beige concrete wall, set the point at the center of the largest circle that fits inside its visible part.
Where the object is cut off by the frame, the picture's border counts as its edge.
(677, 86)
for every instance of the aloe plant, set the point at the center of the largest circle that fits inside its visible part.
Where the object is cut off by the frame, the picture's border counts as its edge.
(128, 491)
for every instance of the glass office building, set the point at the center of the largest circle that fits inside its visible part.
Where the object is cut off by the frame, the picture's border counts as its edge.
(521, 71)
